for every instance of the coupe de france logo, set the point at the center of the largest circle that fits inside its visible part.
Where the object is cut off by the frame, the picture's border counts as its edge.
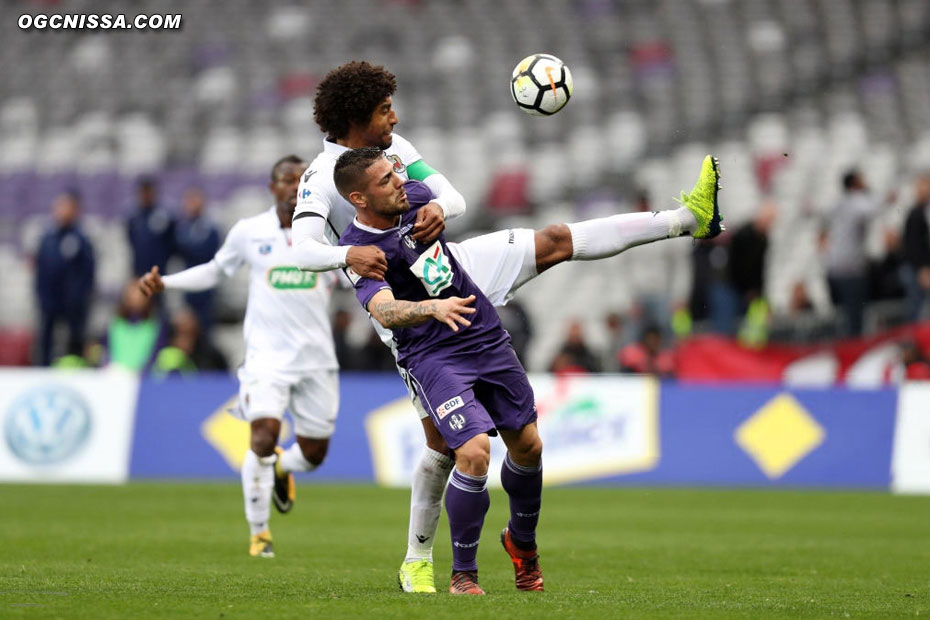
(47, 425)
(433, 269)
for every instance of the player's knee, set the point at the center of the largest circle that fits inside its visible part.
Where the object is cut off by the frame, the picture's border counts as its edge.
(533, 452)
(527, 452)
(553, 246)
(314, 450)
(473, 458)
(263, 442)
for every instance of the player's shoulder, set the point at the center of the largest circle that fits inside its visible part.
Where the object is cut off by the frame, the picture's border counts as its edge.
(254, 223)
(320, 169)
(403, 147)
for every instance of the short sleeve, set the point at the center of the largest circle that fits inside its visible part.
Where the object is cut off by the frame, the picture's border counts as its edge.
(231, 254)
(365, 288)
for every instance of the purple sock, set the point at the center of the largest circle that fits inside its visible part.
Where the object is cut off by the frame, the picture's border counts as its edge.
(467, 501)
(524, 487)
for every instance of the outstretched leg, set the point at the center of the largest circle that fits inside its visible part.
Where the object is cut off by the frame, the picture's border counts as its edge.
(603, 237)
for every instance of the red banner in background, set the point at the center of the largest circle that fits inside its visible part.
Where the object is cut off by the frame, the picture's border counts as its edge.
(869, 362)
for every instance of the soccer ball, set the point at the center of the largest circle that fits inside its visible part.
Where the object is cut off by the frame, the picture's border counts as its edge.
(541, 84)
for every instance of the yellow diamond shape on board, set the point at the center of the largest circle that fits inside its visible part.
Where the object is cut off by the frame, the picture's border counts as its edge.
(230, 435)
(779, 435)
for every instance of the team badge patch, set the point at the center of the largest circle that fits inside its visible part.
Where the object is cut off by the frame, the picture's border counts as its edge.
(449, 406)
(457, 421)
(396, 163)
(433, 269)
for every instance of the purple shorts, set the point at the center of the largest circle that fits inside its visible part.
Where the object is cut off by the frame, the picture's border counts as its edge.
(467, 394)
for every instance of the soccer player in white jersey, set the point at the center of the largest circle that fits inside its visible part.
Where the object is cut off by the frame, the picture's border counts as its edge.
(290, 361)
(353, 108)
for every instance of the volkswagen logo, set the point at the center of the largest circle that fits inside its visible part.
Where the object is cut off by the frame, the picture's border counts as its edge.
(47, 425)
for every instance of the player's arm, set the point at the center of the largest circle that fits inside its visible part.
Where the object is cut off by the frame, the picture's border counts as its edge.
(197, 278)
(447, 202)
(393, 313)
(204, 276)
(313, 253)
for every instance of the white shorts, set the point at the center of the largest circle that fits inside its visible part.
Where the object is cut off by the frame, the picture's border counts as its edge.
(499, 263)
(313, 401)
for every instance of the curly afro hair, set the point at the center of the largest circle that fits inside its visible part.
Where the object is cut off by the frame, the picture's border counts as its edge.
(349, 94)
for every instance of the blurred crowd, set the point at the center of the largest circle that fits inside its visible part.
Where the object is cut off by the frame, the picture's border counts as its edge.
(728, 292)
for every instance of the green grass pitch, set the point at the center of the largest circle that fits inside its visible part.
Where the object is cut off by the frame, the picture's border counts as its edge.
(166, 550)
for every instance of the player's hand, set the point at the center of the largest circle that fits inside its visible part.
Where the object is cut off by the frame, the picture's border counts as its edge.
(151, 283)
(429, 224)
(451, 309)
(367, 261)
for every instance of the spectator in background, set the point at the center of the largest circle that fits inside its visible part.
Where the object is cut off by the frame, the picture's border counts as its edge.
(748, 248)
(197, 239)
(347, 354)
(136, 333)
(746, 271)
(188, 351)
(64, 278)
(151, 231)
(915, 271)
(516, 321)
(618, 336)
(646, 356)
(575, 355)
(846, 261)
(177, 356)
(915, 364)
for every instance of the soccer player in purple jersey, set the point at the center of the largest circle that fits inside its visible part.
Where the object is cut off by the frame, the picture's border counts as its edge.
(457, 357)
(354, 108)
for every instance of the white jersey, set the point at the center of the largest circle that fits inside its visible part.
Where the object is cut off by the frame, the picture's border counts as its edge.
(287, 328)
(317, 194)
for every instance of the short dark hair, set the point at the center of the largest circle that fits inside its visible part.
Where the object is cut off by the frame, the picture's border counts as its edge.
(351, 166)
(287, 159)
(349, 94)
(850, 179)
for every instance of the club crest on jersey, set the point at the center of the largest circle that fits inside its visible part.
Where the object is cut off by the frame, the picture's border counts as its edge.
(433, 269)
(264, 249)
(449, 406)
(396, 163)
(457, 421)
(410, 243)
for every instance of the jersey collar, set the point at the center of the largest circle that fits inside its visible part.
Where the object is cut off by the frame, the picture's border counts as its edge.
(332, 147)
(376, 231)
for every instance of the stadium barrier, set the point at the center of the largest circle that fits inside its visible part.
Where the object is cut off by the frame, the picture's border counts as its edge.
(110, 426)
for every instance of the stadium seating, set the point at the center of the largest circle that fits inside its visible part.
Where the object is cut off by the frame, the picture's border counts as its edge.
(788, 93)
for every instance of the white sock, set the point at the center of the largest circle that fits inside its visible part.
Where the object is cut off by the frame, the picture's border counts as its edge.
(257, 482)
(426, 489)
(293, 460)
(608, 236)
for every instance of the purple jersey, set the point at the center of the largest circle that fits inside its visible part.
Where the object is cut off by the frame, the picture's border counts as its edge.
(470, 381)
(418, 272)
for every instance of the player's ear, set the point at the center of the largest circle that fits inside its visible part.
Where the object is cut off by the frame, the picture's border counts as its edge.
(358, 199)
